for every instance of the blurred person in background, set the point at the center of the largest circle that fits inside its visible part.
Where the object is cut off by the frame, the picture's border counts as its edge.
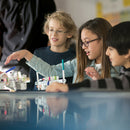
(21, 23)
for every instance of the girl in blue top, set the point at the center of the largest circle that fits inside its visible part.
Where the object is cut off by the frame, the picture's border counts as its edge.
(90, 51)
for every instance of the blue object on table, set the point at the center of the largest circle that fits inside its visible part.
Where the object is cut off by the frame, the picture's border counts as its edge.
(10, 69)
(7, 71)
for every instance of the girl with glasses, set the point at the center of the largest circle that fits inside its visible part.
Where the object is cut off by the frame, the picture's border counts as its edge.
(118, 42)
(90, 52)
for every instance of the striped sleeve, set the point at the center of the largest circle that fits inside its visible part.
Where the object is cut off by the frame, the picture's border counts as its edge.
(123, 82)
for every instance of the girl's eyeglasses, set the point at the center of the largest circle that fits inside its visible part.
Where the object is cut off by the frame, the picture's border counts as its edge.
(86, 43)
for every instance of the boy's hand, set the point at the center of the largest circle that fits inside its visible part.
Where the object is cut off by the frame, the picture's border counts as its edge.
(57, 87)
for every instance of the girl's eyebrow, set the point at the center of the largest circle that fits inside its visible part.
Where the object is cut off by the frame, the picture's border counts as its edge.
(86, 38)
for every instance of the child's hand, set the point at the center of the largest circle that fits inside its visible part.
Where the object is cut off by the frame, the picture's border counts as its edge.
(91, 72)
(18, 55)
(57, 87)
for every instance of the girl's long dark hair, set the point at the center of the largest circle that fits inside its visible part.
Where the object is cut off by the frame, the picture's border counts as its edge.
(100, 27)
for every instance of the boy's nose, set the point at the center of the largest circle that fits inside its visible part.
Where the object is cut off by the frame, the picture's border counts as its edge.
(107, 52)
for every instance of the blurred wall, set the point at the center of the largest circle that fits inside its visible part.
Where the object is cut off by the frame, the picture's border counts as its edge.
(114, 11)
(80, 10)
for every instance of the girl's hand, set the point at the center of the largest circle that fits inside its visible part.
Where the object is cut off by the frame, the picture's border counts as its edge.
(57, 87)
(18, 55)
(91, 72)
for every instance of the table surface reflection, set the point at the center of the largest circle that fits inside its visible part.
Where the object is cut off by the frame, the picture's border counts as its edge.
(76, 110)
